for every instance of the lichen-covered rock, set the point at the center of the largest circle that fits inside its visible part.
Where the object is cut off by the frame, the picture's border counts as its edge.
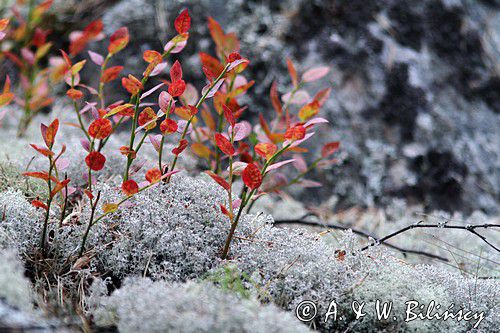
(143, 305)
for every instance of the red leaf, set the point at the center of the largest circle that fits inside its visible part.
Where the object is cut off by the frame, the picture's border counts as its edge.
(176, 72)
(297, 132)
(118, 40)
(168, 126)
(322, 96)
(330, 148)
(41, 175)
(111, 73)
(251, 176)
(49, 133)
(177, 88)
(100, 128)
(266, 150)
(224, 144)
(275, 100)
(183, 22)
(228, 114)
(39, 204)
(66, 58)
(132, 84)
(292, 71)
(74, 94)
(219, 180)
(95, 160)
(43, 151)
(147, 118)
(224, 210)
(130, 187)
(59, 186)
(153, 175)
(214, 66)
(180, 148)
(151, 56)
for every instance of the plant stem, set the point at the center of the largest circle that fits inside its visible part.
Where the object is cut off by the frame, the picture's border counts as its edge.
(245, 199)
(47, 213)
(101, 84)
(84, 239)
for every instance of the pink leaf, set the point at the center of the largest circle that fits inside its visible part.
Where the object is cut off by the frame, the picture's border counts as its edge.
(163, 100)
(241, 130)
(152, 90)
(96, 58)
(210, 93)
(62, 163)
(300, 97)
(155, 141)
(315, 73)
(85, 144)
(309, 183)
(279, 165)
(299, 163)
(237, 63)
(158, 69)
(181, 125)
(238, 167)
(178, 48)
(315, 121)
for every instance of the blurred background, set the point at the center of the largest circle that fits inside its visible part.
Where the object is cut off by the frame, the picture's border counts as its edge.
(416, 85)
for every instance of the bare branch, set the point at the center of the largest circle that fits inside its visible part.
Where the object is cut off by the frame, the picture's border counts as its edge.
(360, 233)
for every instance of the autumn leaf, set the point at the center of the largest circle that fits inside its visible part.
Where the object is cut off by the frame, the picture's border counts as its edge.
(109, 208)
(309, 110)
(201, 150)
(49, 133)
(130, 187)
(176, 71)
(95, 160)
(275, 100)
(180, 148)
(118, 40)
(123, 110)
(153, 175)
(151, 56)
(224, 144)
(111, 74)
(330, 148)
(292, 71)
(266, 150)
(39, 204)
(42, 150)
(40, 175)
(132, 84)
(74, 94)
(219, 180)
(183, 22)
(251, 176)
(59, 186)
(177, 88)
(228, 114)
(297, 132)
(147, 119)
(100, 128)
(168, 126)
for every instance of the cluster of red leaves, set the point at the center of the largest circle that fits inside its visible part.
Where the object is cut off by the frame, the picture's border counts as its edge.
(55, 185)
(214, 131)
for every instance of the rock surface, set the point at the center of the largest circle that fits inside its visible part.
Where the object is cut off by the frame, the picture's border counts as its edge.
(416, 85)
